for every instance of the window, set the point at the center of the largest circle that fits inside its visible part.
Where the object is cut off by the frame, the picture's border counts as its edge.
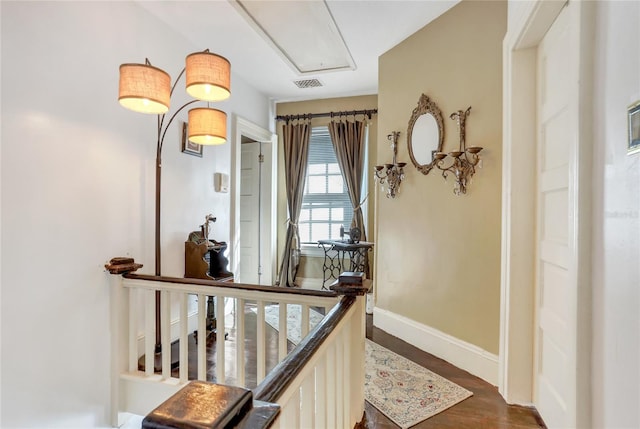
(325, 205)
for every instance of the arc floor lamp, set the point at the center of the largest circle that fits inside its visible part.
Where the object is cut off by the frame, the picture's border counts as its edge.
(147, 89)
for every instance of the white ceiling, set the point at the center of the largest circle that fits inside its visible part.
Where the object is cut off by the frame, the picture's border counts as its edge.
(369, 28)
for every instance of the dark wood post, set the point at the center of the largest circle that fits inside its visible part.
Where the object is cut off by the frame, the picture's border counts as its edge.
(122, 265)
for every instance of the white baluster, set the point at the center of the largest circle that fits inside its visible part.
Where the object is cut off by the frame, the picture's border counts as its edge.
(134, 303)
(358, 332)
(328, 308)
(345, 338)
(165, 331)
(149, 332)
(340, 382)
(331, 377)
(304, 321)
(307, 401)
(120, 339)
(321, 393)
(290, 413)
(261, 357)
(184, 339)
(282, 331)
(202, 337)
(220, 330)
(240, 372)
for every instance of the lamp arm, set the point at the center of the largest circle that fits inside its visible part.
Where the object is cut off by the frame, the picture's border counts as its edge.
(161, 117)
(176, 82)
(161, 138)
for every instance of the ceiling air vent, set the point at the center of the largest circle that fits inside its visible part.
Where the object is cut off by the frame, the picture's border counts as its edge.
(307, 83)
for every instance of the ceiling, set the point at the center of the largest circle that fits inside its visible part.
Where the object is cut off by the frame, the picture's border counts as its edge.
(369, 28)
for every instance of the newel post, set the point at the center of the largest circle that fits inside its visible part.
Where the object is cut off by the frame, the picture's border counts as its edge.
(354, 284)
(119, 328)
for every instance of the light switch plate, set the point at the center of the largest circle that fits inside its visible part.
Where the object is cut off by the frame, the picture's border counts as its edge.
(221, 182)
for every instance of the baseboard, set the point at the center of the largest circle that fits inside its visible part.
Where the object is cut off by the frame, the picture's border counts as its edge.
(469, 357)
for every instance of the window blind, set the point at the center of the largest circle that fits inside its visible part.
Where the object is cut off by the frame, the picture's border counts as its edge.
(325, 205)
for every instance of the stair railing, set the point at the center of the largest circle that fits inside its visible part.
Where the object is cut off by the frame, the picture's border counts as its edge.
(318, 382)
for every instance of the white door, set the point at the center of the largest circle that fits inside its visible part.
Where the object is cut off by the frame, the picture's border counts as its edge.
(256, 233)
(556, 284)
(250, 183)
(253, 194)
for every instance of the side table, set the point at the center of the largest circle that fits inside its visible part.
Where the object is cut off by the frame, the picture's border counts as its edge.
(336, 253)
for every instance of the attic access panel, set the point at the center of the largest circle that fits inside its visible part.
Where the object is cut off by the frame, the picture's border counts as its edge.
(304, 33)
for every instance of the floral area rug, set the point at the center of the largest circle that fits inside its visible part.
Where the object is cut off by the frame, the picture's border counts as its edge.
(404, 391)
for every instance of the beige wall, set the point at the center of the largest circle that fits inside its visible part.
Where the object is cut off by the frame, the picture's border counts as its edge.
(312, 267)
(438, 254)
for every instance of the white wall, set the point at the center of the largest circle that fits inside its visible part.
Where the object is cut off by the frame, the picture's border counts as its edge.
(77, 189)
(616, 295)
(615, 374)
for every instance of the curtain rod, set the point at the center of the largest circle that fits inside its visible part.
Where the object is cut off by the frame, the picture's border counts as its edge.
(367, 112)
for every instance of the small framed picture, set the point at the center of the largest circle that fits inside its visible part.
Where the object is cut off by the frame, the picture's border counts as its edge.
(634, 128)
(188, 146)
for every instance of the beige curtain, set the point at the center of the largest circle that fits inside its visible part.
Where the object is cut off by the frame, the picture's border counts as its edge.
(296, 155)
(348, 142)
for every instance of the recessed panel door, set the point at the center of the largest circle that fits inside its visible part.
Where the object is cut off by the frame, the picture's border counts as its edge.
(556, 284)
(250, 206)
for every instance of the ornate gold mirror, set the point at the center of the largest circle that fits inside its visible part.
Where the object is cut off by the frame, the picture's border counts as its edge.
(425, 134)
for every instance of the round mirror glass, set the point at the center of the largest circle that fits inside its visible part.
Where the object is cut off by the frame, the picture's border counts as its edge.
(425, 139)
(425, 134)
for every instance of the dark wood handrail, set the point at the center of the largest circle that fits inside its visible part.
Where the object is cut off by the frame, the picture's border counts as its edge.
(229, 285)
(264, 405)
(280, 377)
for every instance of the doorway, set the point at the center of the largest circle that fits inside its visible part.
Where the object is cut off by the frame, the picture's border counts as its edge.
(253, 194)
(545, 330)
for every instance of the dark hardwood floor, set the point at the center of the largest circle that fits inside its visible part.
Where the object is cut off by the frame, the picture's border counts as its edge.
(485, 409)
(250, 349)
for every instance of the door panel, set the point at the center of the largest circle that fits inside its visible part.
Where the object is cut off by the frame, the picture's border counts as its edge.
(555, 381)
(249, 213)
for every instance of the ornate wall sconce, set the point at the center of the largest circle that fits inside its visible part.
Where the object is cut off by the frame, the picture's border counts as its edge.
(463, 161)
(391, 174)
